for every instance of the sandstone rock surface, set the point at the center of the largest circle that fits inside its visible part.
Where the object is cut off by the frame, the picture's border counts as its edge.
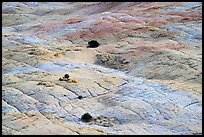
(144, 78)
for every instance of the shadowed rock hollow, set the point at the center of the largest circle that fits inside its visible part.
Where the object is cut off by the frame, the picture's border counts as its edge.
(144, 77)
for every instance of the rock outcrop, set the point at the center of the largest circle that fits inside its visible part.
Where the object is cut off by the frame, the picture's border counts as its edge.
(144, 78)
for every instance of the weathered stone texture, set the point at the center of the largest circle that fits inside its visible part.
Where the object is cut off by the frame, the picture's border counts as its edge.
(145, 77)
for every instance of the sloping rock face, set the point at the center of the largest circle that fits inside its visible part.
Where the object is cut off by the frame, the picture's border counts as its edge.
(145, 77)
